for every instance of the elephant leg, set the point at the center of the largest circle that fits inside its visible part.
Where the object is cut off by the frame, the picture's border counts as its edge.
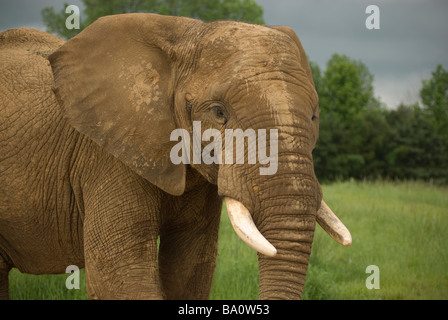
(4, 282)
(121, 227)
(188, 243)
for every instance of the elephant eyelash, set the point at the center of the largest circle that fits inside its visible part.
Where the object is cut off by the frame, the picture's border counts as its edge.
(214, 111)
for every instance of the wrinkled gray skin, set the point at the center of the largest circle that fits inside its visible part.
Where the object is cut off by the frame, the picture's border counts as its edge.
(85, 173)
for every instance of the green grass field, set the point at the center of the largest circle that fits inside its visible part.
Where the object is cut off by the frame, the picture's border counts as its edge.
(402, 228)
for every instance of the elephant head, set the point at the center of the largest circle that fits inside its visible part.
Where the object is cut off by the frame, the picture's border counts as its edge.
(135, 78)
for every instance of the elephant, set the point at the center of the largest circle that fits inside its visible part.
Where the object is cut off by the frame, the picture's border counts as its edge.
(86, 176)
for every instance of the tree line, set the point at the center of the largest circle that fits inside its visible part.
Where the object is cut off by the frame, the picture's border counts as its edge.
(360, 138)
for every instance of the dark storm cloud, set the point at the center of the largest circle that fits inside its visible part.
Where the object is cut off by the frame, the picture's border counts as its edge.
(411, 42)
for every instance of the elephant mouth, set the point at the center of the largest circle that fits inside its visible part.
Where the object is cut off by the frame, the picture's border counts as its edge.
(246, 229)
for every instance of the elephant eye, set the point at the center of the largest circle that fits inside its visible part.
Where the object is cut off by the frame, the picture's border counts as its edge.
(219, 113)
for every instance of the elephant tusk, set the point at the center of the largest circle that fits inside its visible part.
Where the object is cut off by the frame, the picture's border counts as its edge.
(332, 225)
(245, 228)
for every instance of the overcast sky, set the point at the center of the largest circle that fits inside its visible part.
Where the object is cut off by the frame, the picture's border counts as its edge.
(411, 41)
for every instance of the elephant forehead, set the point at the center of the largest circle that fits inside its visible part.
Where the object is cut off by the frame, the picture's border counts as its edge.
(248, 41)
(236, 30)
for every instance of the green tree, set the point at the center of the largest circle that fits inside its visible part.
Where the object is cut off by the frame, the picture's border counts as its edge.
(361, 139)
(434, 95)
(346, 88)
(345, 92)
(416, 149)
(336, 156)
(206, 10)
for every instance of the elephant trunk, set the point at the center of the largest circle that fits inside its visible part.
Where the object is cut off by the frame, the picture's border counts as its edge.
(284, 245)
(283, 236)
(276, 214)
(283, 276)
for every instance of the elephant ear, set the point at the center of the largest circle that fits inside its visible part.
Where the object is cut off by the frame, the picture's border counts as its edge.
(115, 84)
